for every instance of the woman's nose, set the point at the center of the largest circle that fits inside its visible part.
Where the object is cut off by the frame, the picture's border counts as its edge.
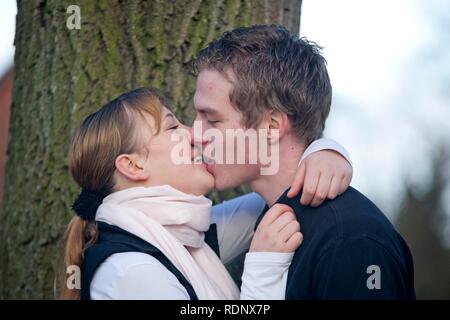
(191, 135)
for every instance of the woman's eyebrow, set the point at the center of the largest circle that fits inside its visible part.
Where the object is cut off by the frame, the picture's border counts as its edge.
(169, 119)
(169, 115)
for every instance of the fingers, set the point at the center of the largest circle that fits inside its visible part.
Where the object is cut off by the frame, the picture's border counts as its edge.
(274, 212)
(282, 221)
(345, 183)
(288, 231)
(309, 187)
(294, 242)
(335, 188)
(299, 178)
(279, 231)
(323, 187)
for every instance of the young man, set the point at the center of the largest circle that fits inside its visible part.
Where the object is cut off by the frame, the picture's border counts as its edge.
(265, 78)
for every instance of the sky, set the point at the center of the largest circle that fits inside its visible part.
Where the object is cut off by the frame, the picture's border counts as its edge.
(389, 63)
(7, 28)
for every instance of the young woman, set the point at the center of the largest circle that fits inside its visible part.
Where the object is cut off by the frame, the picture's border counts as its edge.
(142, 225)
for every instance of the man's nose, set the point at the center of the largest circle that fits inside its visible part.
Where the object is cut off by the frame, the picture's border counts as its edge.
(196, 134)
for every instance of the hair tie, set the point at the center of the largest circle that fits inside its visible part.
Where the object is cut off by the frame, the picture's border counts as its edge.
(87, 203)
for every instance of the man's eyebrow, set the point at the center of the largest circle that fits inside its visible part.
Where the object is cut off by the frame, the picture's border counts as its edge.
(206, 110)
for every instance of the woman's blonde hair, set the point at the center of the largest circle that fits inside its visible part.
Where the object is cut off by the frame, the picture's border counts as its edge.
(102, 136)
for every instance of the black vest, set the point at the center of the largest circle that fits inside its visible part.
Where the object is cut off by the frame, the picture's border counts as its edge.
(112, 239)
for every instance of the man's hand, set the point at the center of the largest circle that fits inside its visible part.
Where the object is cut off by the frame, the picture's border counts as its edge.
(278, 231)
(323, 174)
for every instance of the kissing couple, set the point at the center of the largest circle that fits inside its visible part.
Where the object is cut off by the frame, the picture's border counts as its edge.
(143, 228)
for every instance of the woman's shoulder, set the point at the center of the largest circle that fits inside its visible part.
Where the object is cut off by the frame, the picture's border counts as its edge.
(123, 261)
(135, 275)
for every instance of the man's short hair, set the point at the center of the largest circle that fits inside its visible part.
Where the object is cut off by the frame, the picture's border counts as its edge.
(273, 69)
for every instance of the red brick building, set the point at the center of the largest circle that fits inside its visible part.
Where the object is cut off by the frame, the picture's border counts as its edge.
(6, 83)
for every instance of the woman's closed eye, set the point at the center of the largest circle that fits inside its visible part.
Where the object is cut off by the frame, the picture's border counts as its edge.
(174, 127)
(171, 123)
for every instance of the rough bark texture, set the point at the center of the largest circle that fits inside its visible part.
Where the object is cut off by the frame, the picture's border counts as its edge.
(62, 75)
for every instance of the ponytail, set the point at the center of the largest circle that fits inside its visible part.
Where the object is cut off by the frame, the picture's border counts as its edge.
(79, 236)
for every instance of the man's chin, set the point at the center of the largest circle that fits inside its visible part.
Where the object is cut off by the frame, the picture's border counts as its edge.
(226, 178)
(222, 184)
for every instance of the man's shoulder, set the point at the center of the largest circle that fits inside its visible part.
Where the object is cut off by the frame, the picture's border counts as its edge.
(342, 237)
(350, 215)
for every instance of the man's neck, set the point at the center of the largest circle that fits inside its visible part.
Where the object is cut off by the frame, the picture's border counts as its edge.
(271, 187)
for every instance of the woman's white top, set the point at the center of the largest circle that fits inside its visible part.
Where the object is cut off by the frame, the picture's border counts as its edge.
(136, 275)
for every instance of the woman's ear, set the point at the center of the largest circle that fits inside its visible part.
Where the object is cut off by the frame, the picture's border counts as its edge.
(132, 167)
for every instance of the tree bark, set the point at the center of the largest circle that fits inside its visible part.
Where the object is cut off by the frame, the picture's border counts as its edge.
(62, 75)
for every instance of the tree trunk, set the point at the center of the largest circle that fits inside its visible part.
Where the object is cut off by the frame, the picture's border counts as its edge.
(62, 75)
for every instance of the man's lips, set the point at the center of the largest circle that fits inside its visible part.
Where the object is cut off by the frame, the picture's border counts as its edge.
(210, 167)
(209, 163)
(207, 160)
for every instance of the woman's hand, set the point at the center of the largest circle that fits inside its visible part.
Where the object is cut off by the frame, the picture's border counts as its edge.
(323, 174)
(278, 231)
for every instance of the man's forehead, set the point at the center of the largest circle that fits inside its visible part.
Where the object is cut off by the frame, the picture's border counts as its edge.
(209, 92)
(209, 79)
(203, 102)
(212, 94)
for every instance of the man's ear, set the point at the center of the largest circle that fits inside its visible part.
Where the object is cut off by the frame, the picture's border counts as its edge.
(277, 124)
(131, 166)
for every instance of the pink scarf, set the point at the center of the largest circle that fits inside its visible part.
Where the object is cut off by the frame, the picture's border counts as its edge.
(175, 223)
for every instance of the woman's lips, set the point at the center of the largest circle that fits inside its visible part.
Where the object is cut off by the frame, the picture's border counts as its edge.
(198, 159)
(206, 162)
